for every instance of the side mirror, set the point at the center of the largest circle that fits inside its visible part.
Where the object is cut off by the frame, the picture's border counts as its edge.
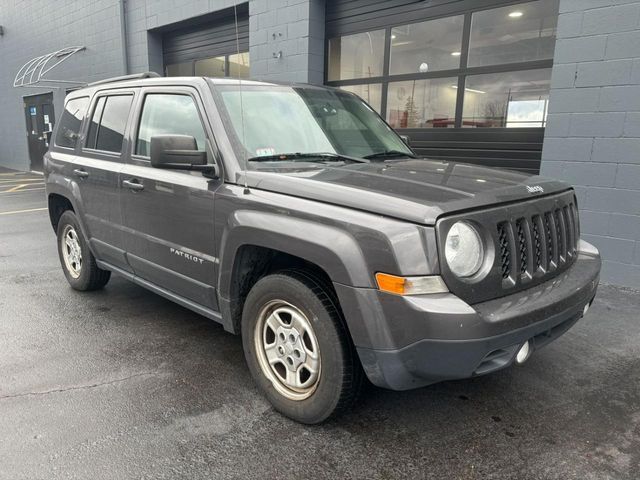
(178, 152)
(406, 140)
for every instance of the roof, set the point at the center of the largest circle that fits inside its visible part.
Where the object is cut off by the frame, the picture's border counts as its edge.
(152, 78)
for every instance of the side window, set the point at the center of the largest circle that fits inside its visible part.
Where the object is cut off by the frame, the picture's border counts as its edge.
(70, 122)
(106, 130)
(168, 114)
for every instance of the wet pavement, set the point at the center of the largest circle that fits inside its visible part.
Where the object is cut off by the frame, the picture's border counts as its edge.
(122, 383)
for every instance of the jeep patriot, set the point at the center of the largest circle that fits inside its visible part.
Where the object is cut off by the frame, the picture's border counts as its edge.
(297, 218)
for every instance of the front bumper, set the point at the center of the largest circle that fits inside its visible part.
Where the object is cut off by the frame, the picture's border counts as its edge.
(409, 342)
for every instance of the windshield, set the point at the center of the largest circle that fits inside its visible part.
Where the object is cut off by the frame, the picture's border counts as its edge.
(280, 119)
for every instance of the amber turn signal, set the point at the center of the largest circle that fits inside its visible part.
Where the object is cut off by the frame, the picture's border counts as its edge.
(410, 285)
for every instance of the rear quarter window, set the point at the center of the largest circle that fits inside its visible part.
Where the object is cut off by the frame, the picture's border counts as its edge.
(70, 122)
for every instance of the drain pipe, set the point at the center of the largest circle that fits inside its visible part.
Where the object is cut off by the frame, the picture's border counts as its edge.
(123, 37)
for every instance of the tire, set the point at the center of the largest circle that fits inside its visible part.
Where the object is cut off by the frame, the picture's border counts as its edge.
(78, 263)
(326, 370)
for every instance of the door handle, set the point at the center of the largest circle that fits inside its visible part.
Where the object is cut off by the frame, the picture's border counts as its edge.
(134, 185)
(78, 172)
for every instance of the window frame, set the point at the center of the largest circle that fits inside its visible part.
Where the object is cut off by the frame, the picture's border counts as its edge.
(460, 73)
(169, 90)
(88, 119)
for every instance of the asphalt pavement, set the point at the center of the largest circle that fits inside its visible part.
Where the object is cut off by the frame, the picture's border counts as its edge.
(122, 383)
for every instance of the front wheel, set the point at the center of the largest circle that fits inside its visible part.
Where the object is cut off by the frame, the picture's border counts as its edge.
(298, 349)
(78, 263)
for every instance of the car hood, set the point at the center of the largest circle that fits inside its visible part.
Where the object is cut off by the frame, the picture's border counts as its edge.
(416, 190)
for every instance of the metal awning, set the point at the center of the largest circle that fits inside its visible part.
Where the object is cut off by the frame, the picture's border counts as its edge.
(32, 73)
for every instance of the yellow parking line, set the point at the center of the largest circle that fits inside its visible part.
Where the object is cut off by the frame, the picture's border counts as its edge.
(24, 211)
(19, 186)
(7, 192)
(16, 188)
(17, 180)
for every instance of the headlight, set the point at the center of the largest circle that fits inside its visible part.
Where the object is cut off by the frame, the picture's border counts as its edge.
(463, 249)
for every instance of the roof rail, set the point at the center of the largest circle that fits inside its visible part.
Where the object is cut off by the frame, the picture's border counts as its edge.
(121, 78)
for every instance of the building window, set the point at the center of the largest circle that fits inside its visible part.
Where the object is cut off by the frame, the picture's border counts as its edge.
(238, 65)
(356, 56)
(369, 92)
(518, 33)
(487, 68)
(507, 100)
(179, 69)
(210, 67)
(422, 103)
(234, 65)
(426, 46)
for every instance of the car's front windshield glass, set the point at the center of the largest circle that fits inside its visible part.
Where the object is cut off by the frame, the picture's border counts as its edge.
(289, 120)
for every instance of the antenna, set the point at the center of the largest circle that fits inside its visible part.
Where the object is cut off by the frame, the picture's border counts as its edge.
(244, 148)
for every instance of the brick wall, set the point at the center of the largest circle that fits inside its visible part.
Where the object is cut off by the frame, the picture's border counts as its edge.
(592, 138)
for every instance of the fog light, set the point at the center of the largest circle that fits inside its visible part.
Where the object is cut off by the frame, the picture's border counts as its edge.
(586, 309)
(524, 353)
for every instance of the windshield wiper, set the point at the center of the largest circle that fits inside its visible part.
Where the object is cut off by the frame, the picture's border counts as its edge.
(389, 154)
(292, 157)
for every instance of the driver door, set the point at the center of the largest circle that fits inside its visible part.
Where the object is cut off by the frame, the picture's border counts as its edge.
(169, 214)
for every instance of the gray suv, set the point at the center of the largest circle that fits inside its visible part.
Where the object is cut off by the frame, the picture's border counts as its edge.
(295, 216)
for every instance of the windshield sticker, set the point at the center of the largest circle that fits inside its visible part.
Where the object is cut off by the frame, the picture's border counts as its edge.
(265, 151)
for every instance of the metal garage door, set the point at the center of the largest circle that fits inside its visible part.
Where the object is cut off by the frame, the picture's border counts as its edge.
(467, 80)
(208, 38)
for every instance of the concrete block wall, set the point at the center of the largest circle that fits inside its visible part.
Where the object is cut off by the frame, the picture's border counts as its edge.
(144, 48)
(592, 138)
(35, 27)
(286, 40)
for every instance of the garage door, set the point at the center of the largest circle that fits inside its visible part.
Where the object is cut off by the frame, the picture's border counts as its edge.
(207, 46)
(466, 80)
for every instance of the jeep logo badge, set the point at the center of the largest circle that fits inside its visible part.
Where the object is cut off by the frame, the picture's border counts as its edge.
(535, 189)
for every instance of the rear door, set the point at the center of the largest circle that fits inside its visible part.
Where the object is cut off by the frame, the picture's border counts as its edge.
(97, 172)
(40, 120)
(169, 214)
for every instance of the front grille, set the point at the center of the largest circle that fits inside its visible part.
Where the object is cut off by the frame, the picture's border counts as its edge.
(530, 242)
(535, 239)
(548, 221)
(522, 245)
(505, 253)
(542, 243)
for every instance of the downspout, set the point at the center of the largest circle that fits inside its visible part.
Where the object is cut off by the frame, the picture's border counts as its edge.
(123, 38)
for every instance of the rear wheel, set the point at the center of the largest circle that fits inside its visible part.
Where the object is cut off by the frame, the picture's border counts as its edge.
(298, 349)
(78, 263)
